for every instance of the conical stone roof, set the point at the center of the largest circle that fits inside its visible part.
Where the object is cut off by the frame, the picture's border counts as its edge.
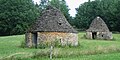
(52, 20)
(98, 25)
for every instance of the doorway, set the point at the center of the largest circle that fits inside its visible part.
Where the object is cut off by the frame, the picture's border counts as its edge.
(94, 35)
(35, 39)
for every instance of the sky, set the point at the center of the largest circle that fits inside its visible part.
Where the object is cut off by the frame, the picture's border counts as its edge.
(72, 4)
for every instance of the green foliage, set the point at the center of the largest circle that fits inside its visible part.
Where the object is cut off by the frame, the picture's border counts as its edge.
(62, 6)
(43, 4)
(106, 9)
(16, 16)
(117, 14)
(42, 46)
(46, 44)
(56, 44)
(23, 44)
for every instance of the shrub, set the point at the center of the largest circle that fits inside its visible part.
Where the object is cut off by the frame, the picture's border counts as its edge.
(42, 46)
(23, 45)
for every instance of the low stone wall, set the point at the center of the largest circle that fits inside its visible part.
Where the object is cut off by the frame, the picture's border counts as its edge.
(100, 35)
(89, 35)
(63, 38)
(28, 39)
(48, 37)
(105, 35)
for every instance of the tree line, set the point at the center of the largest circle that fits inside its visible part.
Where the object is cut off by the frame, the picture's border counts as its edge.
(17, 15)
(108, 10)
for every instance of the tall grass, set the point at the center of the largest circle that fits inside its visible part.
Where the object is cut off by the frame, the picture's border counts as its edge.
(9, 49)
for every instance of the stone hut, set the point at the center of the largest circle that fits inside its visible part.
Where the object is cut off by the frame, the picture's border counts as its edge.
(51, 26)
(98, 30)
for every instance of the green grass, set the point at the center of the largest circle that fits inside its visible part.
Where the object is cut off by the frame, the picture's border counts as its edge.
(88, 50)
(11, 44)
(113, 56)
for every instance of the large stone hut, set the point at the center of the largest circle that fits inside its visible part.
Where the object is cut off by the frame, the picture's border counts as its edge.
(51, 26)
(98, 30)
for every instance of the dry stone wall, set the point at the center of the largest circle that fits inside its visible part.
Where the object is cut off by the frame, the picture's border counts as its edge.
(100, 35)
(63, 38)
(48, 37)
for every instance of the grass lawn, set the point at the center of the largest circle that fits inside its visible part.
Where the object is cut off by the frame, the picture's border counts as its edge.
(87, 50)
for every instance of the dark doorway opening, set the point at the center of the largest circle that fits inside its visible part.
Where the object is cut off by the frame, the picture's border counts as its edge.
(94, 35)
(35, 39)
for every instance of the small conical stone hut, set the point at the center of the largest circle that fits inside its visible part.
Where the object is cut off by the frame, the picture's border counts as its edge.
(51, 26)
(98, 30)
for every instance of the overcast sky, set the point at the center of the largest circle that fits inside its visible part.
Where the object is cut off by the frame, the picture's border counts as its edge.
(72, 4)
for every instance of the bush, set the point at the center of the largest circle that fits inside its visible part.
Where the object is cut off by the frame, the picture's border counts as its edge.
(42, 46)
(23, 44)
(46, 44)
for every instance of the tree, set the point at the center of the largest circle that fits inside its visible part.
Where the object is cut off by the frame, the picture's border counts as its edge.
(106, 9)
(62, 6)
(117, 15)
(16, 16)
(43, 5)
(85, 14)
